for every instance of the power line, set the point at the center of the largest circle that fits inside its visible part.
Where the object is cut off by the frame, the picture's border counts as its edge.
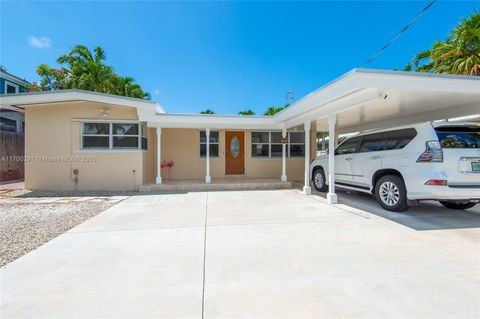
(399, 33)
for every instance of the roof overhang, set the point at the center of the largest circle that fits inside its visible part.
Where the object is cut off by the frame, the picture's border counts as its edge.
(214, 121)
(23, 100)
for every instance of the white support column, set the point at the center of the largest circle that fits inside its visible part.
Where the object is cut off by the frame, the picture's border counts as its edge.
(331, 196)
(284, 157)
(208, 179)
(306, 188)
(158, 180)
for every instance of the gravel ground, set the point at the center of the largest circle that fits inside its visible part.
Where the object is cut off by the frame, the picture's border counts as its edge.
(28, 220)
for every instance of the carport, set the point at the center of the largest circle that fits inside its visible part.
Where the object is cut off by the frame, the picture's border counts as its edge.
(366, 99)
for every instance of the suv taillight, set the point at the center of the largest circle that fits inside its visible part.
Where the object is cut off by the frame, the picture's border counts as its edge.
(433, 153)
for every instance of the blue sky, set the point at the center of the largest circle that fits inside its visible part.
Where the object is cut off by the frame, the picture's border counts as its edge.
(227, 56)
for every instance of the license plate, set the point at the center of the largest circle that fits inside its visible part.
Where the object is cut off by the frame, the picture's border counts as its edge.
(475, 166)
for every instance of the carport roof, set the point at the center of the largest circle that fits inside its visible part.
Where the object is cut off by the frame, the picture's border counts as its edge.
(364, 99)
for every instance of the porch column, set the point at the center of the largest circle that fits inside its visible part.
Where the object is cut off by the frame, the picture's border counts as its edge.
(306, 188)
(208, 179)
(158, 180)
(284, 156)
(331, 196)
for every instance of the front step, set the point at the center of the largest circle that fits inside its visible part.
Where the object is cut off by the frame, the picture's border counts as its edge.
(214, 186)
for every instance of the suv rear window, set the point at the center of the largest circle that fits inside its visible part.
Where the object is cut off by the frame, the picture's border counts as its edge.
(458, 136)
(398, 139)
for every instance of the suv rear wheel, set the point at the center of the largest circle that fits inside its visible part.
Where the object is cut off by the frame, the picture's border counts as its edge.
(453, 205)
(391, 193)
(319, 180)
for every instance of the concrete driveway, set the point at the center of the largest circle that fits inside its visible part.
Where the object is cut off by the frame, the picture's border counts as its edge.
(247, 254)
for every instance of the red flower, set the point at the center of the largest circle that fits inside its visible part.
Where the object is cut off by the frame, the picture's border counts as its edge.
(166, 164)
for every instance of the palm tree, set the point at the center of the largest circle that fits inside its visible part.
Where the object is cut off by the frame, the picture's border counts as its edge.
(125, 86)
(458, 54)
(87, 70)
(272, 110)
(246, 112)
(208, 111)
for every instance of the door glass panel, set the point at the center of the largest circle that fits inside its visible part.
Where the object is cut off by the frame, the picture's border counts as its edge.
(235, 147)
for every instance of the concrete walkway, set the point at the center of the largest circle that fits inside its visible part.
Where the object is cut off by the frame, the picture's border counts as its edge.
(245, 254)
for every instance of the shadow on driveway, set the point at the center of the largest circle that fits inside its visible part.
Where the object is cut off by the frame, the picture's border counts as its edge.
(428, 215)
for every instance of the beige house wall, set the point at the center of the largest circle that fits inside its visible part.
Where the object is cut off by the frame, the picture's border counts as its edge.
(53, 151)
(52, 132)
(182, 146)
(149, 158)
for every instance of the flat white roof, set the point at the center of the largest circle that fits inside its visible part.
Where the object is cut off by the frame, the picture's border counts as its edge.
(361, 98)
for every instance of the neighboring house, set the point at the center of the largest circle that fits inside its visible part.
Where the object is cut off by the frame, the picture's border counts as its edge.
(11, 84)
(12, 126)
(11, 118)
(90, 141)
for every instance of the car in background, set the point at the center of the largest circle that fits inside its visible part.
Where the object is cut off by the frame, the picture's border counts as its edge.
(403, 165)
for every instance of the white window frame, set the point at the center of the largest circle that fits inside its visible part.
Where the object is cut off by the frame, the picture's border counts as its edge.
(269, 143)
(211, 143)
(17, 87)
(143, 128)
(110, 136)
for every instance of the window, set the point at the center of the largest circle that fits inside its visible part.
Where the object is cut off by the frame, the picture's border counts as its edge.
(96, 135)
(214, 143)
(7, 125)
(269, 144)
(125, 135)
(349, 146)
(398, 139)
(373, 143)
(276, 144)
(106, 135)
(260, 144)
(296, 144)
(458, 136)
(10, 88)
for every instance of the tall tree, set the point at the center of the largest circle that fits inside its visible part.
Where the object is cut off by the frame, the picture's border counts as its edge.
(86, 70)
(458, 54)
(125, 86)
(272, 110)
(207, 111)
(246, 112)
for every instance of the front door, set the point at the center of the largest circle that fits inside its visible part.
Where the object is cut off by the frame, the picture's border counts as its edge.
(234, 153)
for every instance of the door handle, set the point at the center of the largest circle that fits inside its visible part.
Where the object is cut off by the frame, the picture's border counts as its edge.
(349, 158)
(376, 157)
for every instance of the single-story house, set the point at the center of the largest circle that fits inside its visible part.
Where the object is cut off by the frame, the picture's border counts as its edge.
(78, 140)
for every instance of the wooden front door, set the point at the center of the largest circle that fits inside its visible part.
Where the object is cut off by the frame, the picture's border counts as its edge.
(234, 153)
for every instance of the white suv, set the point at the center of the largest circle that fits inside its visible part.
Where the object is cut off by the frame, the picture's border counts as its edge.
(400, 166)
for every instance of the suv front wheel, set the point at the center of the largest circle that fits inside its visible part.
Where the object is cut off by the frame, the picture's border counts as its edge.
(391, 193)
(319, 180)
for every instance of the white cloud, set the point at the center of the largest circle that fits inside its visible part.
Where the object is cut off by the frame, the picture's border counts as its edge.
(156, 91)
(41, 42)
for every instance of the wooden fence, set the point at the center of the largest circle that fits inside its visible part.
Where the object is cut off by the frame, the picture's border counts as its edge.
(12, 151)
